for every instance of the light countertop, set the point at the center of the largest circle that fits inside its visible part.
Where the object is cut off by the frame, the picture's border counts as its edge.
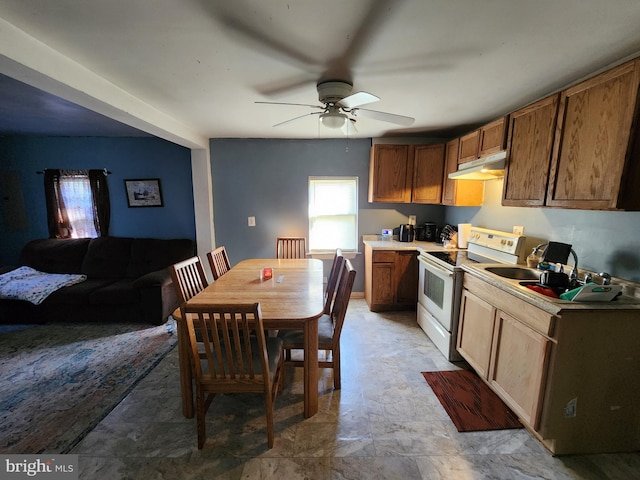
(376, 243)
(548, 304)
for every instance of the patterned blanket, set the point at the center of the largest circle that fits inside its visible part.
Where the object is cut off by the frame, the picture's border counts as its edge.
(25, 283)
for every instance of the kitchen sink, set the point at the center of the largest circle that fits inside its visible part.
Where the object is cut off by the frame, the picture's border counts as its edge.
(515, 273)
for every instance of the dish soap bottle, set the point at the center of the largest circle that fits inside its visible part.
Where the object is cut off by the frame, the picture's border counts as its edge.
(533, 259)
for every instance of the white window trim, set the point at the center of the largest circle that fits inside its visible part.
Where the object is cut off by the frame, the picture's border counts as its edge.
(347, 253)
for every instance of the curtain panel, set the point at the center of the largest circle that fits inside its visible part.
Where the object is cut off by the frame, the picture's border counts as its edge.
(58, 221)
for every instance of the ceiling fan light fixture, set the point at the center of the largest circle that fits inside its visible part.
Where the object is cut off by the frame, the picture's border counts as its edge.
(333, 119)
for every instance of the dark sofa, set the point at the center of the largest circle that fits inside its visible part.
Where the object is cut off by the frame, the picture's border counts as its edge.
(128, 280)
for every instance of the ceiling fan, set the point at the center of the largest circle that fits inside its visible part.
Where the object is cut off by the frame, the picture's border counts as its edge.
(340, 106)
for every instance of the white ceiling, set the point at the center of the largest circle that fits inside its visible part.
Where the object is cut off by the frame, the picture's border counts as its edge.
(192, 69)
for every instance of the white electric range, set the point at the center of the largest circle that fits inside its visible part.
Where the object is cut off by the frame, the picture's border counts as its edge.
(440, 281)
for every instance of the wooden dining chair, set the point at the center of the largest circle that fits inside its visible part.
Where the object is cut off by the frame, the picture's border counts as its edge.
(332, 280)
(291, 247)
(233, 356)
(329, 328)
(188, 278)
(219, 262)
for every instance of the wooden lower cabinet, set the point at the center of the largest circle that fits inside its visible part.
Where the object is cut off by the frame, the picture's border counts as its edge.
(477, 321)
(391, 279)
(509, 355)
(572, 376)
(518, 366)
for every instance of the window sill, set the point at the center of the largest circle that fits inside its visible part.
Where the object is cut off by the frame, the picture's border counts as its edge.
(330, 255)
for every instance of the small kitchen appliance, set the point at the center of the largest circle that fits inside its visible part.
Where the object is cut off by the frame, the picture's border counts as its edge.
(406, 233)
(440, 281)
(430, 234)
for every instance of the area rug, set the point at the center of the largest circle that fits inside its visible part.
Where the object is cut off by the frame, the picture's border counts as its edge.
(59, 381)
(469, 402)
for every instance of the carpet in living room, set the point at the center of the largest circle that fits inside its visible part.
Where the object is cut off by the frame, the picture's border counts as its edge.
(58, 381)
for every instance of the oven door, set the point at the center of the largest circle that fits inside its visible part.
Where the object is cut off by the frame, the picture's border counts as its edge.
(436, 291)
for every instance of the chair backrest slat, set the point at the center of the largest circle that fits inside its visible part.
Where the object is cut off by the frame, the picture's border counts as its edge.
(219, 262)
(189, 278)
(227, 331)
(343, 295)
(291, 247)
(332, 281)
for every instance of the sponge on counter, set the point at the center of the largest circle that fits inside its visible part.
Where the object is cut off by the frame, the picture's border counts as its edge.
(570, 294)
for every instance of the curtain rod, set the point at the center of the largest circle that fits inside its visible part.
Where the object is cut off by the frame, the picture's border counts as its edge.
(41, 172)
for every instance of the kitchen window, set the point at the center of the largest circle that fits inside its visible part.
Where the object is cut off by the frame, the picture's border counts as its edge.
(333, 214)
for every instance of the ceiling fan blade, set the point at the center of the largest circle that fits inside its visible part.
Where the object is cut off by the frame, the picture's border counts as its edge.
(386, 117)
(295, 104)
(296, 118)
(357, 99)
(372, 23)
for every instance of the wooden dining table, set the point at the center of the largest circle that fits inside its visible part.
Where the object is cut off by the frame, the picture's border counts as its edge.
(293, 298)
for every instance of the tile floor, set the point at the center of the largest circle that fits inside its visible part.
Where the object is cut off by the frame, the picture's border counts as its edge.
(385, 423)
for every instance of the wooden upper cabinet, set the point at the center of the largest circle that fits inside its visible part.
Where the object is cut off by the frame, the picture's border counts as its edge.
(468, 148)
(390, 174)
(493, 137)
(461, 193)
(450, 166)
(596, 155)
(487, 140)
(529, 150)
(428, 167)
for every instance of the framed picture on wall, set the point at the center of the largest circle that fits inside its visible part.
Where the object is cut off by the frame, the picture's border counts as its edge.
(143, 192)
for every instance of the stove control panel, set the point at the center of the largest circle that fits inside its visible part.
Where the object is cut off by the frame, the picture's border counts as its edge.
(506, 242)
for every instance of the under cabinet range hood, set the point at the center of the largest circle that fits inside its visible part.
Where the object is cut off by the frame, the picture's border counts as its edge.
(485, 168)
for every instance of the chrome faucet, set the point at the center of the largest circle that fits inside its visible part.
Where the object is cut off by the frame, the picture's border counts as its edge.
(606, 278)
(574, 272)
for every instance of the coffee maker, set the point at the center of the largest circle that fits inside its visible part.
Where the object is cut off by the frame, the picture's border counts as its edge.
(430, 232)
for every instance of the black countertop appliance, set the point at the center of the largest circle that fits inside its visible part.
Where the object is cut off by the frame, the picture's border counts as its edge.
(406, 233)
(430, 232)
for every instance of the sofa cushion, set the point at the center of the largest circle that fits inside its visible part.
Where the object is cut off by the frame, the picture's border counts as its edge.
(116, 293)
(151, 254)
(77, 294)
(107, 257)
(55, 255)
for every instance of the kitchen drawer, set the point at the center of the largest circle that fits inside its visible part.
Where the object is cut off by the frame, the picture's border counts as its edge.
(537, 319)
(381, 256)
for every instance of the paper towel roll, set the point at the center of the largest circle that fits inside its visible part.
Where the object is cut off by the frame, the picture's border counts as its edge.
(463, 234)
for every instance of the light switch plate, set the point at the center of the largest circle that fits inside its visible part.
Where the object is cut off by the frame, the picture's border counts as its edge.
(251, 221)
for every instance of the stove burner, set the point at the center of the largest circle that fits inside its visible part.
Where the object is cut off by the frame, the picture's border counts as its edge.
(450, 257)
(456, 258)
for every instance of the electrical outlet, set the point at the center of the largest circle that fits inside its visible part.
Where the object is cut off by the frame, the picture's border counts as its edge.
(518, 230)
(252, 221)
(412, 219)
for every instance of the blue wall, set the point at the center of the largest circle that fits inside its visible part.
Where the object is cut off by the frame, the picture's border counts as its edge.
(126, 158)
(603, 240)
(269, 179)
